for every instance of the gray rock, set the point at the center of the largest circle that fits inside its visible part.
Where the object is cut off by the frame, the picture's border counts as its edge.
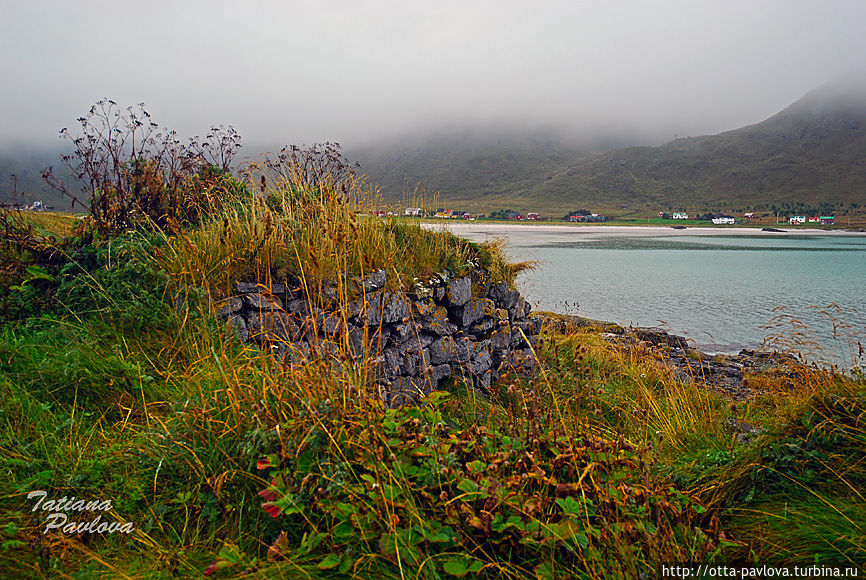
(497, 292)
(416, 343)
(329, 297)
(530, 326)
(500, 339)
(296, 306)
(405, 390)
(423, 339)
(464, 348)
(354, 308)
(375, 280)
(438, 322)
(415, 362)
(423, 309)
(471, 312)
(255, 288)
(271, 326)
(481, 362)
(510, 299)
(421, 293)
(403, 332)
(225, 308)
(260, 302)
(307, 329)
(459, 291)
(238, 326)
(356, 340)
(439, 294)
(378, 336)
(444, 350)
(518, 311)
(246, 287)
(484, 325)
(385, 308)
(499, 357)
(328, 323)
(518, 340)
(439, 372)
(392, 359)
(394, 308)
(484, 380)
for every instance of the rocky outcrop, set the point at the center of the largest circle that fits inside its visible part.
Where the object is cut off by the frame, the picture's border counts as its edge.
(724, 373)
(415, 339)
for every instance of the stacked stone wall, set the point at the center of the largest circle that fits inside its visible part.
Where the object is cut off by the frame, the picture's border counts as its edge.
(415, 339)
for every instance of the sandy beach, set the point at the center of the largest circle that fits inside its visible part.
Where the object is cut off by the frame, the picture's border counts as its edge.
(540, 233)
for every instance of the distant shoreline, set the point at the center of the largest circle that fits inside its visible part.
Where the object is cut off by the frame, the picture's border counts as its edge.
(461, 227)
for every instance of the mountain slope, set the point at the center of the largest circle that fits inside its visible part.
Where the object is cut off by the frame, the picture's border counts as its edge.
(812, 152)
(27, 167)
(474, 167)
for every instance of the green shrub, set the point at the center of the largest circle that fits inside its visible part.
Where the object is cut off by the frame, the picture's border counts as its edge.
(410, 492)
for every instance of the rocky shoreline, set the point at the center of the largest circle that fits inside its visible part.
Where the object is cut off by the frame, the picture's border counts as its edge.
(727, 374)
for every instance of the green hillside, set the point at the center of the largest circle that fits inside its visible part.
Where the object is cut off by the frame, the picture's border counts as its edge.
(479, 169)
(810, 153)
(27, 167)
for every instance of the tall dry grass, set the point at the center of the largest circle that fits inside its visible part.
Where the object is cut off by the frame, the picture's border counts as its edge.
(325, 234)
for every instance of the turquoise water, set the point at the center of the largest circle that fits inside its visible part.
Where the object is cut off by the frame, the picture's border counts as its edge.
(719, 290)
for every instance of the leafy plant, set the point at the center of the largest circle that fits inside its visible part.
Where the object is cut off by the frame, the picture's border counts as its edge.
(452, 501)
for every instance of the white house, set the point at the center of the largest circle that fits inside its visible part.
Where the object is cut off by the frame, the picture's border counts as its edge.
(723, 221)
(413, 211)
(797, 219)
(680, 215)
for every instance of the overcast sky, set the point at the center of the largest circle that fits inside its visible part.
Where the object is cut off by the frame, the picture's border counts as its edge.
(355, 71)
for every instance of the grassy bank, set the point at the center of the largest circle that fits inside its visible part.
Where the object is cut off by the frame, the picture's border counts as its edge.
(117, 382)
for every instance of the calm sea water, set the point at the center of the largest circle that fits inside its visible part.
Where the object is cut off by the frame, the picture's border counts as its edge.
(719, 289)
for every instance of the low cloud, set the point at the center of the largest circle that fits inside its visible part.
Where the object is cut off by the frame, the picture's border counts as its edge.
(358, 72)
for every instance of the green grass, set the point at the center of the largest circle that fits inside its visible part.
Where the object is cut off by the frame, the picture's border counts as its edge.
(120, 384)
